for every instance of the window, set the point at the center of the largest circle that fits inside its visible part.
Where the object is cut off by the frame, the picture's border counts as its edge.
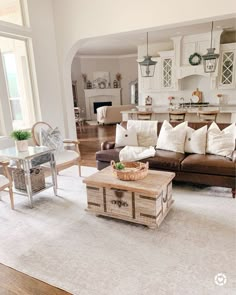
(11, 12)
(16, 79)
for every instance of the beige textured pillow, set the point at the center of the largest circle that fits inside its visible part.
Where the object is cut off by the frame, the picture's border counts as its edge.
(146, 131)
(221, 142)
(172, 139)
(125, 136)
(195, 141)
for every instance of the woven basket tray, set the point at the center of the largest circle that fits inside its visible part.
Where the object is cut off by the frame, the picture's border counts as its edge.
(132, 170)
(36, 175)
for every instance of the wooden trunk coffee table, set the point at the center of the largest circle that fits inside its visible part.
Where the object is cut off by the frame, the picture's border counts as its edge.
(145, 201)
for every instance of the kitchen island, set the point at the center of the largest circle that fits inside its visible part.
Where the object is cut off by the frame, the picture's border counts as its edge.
(227, 113)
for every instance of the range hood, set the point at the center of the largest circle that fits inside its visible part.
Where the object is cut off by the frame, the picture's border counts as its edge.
(186, 71)
(184, 46)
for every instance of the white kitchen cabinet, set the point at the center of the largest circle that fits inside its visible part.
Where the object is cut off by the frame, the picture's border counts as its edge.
(164, 78)
(227, 66)
(167, 71)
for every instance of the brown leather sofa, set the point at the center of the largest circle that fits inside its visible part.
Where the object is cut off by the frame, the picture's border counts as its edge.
(206, 169)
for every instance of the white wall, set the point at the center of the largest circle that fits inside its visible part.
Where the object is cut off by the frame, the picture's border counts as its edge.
(81, 19)
(126, 65)
(129, 71)
(46, 62)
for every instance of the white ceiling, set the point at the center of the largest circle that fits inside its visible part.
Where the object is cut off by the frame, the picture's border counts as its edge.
(126, 43)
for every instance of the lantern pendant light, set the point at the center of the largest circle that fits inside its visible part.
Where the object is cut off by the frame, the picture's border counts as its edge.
(147, 66)
(210, 58)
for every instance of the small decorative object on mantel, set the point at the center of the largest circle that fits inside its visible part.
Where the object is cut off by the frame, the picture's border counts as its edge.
(89, 84)
(118, 78)
(102, 85)
(197, 96)
(21, 139)
(195, 59)
(115, 84)
(148, 101)
(130, 171)
(84, 76)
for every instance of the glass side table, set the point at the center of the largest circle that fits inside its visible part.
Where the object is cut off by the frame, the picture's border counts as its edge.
(35, 156)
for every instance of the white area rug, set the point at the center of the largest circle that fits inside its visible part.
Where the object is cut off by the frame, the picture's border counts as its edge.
(60, 243)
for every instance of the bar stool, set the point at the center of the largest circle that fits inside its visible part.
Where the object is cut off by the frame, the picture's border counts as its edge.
(207, 116)
(144, 115)
(177, 116)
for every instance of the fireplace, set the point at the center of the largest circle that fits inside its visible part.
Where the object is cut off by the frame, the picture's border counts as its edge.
(100, 104)
(97, 95)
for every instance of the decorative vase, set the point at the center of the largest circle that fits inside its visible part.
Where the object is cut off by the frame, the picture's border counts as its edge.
(22, 145)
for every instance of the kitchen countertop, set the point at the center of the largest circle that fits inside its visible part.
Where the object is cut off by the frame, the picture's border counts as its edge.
(165, 109)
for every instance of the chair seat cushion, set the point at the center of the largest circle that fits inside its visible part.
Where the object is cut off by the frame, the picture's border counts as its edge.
(3, 180)
(166, 160)
(209, 164)
(64, 156)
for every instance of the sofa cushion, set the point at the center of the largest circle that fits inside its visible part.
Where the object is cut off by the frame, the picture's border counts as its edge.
(108, 155)
(146, 131)
(195, 141)
(208, 164)
(165, 160)
(172, 139)
(126, 136)
(221, 142)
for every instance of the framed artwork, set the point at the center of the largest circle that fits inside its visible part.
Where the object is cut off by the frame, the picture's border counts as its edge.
(101, 79)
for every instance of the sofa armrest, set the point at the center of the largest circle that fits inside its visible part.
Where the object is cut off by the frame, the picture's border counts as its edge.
(234, 156)
(107, 145)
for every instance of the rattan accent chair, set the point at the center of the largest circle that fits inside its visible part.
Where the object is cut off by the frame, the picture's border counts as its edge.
(65, 158)
(6, 181)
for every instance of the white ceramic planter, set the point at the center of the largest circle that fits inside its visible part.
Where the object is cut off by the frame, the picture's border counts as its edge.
(22, 145)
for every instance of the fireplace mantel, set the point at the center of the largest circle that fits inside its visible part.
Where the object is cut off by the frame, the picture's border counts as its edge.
(100, 95)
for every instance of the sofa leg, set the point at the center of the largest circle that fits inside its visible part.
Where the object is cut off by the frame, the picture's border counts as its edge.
(233, 192)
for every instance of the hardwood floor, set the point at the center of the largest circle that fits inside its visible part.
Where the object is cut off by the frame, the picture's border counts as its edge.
(13, 282)
(90, 141)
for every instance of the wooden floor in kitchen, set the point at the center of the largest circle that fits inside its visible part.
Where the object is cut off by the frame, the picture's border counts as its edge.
(13, 282)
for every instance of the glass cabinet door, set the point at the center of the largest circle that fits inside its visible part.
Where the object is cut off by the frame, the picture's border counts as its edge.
(227, 67)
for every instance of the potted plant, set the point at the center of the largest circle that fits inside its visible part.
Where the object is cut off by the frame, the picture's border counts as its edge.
(21, 138)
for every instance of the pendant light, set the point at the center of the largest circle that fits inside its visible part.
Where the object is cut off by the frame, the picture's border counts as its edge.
(147, 66)
(210, 59)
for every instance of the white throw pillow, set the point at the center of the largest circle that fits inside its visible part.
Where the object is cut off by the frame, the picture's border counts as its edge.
(146, 131)
(195, 141)
(221, 142)
(172, 138)
(125, 136)
(52, 138)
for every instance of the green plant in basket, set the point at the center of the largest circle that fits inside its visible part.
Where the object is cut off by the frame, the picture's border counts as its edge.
(20, 135)
(119, 166)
